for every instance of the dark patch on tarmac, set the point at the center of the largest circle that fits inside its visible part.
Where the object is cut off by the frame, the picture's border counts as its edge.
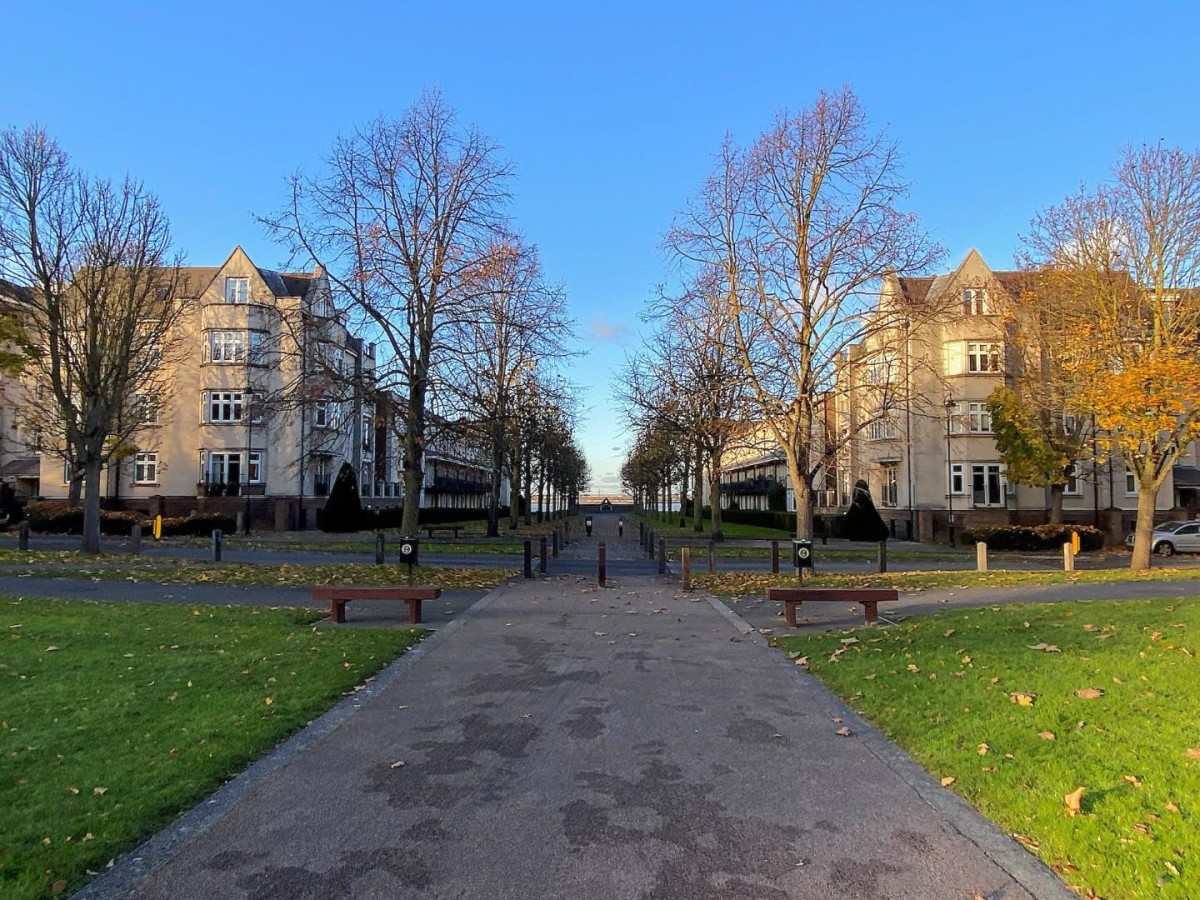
(403, 868)
(860, 877)
(915, 840)
(715, 854)
(533, 671)
(586, 722)
(448, 775)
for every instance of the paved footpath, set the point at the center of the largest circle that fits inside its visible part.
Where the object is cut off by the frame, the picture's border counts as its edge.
(563, 741)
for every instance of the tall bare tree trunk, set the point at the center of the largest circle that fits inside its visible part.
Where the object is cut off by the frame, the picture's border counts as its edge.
(1056, 504)
(698, 491)
(1144, 528)
(91, 505)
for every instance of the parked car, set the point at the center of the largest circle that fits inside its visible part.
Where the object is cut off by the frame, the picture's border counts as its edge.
(1172, 537)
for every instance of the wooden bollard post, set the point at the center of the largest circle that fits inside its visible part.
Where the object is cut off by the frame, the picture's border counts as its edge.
(662, 556)
(1068, 558)
(685, 562)
(239, 526)
(981, 557)
(528, 570)
(600, 573)
(774, 557)
(554, 543)
(712, 557)
(135, 539)
(542, 554)
(882, 557)
(23, 536)
(217, 540)
(380, 548)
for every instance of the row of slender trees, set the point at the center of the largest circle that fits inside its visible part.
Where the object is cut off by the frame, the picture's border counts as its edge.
(779, 261)
(410, 219)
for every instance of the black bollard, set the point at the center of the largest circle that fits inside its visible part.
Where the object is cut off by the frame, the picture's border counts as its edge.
(216, 545)
(662, 556)
(23, 536)
(542, 554)
(601, 574)
(774, 557)
(135, 539)
(380, 546)
(528, 559)
(712, 557)
(620, 528)
(554, 543)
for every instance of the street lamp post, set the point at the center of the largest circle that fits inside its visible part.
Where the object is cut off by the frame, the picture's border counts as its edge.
(950, 406)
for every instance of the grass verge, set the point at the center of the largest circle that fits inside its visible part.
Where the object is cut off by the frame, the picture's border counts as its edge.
(1018, 707)
(117, 717)
(182, 571)
(741, 583)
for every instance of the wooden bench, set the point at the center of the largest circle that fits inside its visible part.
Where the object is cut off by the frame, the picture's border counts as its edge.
(338, 597)
(430, 529)
(868, 597)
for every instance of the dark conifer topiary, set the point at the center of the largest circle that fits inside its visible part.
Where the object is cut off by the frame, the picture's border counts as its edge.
(343, 509)
(862, 521)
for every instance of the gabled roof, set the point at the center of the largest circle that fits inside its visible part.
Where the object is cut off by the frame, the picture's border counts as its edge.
(919, 289)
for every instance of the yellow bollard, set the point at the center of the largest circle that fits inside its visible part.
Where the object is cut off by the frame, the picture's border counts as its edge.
(158, 528)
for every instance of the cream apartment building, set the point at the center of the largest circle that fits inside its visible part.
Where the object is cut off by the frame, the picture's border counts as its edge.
(926, 446)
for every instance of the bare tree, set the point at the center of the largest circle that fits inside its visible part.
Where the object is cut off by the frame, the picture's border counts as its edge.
(1124, 260)
(100, 307)
(401, 218)
(513, 322)
(822, 227)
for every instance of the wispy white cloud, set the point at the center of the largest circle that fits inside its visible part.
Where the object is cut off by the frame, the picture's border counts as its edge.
(605, 331)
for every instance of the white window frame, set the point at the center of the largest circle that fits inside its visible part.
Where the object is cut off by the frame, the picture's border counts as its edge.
(322, 414)
(224, 407)
(368, 433)
(1073, 487)
(889, 493)
(957, 481)
(985, 357)
(254, 466)
(976, 302)
(979, 418)
(237, 289)
(226, 347)
(146, 407)
(1131, 485)
(145, 468)
(957, 424)
(987, 470)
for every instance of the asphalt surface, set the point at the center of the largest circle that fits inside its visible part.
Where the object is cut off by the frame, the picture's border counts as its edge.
(559, 740)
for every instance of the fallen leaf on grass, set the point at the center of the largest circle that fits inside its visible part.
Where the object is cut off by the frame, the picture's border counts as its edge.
(1048, 648)
(802, 661)
(50, 649)
(843, 732)
(912, 667)
(99, 790)
(1025, 841)
(948, 780)
(1131, 779)
(1020, 698)
(1089, 693)
(1046, 735)
(948, 632)
(1073, 801)
(983, 749)
(1192, 753)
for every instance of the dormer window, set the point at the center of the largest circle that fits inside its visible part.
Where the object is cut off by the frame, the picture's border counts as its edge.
(975, 302)
(237, 290)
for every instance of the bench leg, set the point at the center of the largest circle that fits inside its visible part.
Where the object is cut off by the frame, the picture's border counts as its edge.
(871, 608)
(337, 611)
(414, 611)
(789, 612)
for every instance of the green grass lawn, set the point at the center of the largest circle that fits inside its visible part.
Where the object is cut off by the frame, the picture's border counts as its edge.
(117, 717)
(1017, 707)
(183, 571)
(743, 583)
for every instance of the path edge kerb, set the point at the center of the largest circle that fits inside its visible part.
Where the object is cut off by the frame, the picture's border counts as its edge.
(1022, 866)
(152, 854)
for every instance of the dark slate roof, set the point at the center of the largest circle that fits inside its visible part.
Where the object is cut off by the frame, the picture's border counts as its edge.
(915, 289)
(297, 284)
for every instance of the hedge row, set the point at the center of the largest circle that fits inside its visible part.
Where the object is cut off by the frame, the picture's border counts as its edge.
(59, 517)
(1034, 537)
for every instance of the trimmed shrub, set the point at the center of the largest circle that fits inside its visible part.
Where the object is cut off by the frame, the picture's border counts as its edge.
(1034, 537)
(343, 509)
(777, 497)
(201, 525)
(862, 521)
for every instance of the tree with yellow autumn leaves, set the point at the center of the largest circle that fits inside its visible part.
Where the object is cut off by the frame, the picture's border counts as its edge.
(1122, 262)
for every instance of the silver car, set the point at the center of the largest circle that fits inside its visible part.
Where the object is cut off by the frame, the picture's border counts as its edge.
(1172, 537)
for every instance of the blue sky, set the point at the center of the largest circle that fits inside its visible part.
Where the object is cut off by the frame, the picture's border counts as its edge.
(610, 112)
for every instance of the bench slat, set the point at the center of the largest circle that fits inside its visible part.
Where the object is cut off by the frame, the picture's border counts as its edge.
(375, 593)
(868, 597)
